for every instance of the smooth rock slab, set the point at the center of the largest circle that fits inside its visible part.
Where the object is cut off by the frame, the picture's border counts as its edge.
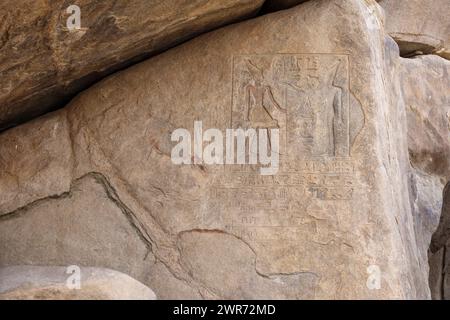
(55, 283)
(44, 63)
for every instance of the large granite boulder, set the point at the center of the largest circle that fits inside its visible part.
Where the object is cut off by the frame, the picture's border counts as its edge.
(334, 222)
(275, 5)
(419, 26)
(69, 283)
(424, 89)
(44, 62)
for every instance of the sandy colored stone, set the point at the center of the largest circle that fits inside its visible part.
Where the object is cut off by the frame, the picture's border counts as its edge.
(446, 273)
(437, 273)
(425, 90)
(426, 205)
(419, 26)
(57, 283)
(338, 207)
(44, 64)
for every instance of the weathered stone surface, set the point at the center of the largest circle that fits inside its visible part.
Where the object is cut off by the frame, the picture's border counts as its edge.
(424, 89)
(439, 252)
(54, 283)
(419, 26)
(43, 63)
(87, 226)
(418, 240)
(338, 205)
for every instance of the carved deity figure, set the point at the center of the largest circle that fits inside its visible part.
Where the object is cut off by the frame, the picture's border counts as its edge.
(316, 116)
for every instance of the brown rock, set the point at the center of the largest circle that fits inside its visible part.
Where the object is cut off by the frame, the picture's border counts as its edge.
(61, 283)
(425, 89)
(334, 220)
(88, 226)
(437, 274)
(419, 26)
(44, 63)
(442, 234)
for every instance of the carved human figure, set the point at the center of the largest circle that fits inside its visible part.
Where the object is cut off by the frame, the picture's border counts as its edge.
(263, 111)
(316, 116)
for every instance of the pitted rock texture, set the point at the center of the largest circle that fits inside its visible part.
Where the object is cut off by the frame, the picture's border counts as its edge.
(338, 206)
(60, 283)
(419, 26)
(425, 89)
(44, 63)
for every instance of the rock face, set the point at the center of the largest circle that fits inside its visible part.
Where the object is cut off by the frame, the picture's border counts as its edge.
(44, 63)
(424, 89)
(336, 220)
(59, 283)
(419, 26)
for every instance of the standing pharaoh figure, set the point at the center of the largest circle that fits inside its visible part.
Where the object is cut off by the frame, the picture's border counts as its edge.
(262, 109)
(317, 122)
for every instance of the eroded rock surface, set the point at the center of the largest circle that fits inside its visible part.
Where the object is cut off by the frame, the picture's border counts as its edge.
(424, 89)
(419, 26)
(338, 207)
(44, 63)
(59, 283)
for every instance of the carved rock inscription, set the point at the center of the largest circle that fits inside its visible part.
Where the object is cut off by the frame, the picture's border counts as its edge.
(305, 96)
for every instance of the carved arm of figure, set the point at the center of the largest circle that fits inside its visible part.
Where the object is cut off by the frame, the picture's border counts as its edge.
(272, 105)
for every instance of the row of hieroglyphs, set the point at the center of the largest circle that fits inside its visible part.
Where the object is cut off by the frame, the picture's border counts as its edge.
(307, 98)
